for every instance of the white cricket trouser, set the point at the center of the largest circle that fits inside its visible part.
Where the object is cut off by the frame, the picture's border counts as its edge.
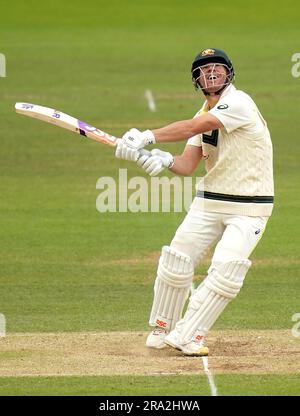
(236, 235)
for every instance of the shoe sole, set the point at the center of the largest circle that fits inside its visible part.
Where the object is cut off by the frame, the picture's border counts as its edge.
(154, 347)
(202, 352)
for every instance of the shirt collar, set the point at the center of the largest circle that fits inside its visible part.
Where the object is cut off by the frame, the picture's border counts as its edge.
(230, 88)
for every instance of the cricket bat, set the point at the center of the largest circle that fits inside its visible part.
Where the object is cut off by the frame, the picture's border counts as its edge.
(60, 119)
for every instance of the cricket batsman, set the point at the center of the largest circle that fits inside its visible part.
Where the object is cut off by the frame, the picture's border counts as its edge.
(230, 210)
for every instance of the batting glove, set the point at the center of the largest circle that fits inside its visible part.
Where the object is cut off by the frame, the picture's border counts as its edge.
(125, 152)
(131, 142)
(138, 139)
(157, 162)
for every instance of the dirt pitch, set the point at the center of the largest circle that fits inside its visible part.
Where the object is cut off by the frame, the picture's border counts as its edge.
(124, 353)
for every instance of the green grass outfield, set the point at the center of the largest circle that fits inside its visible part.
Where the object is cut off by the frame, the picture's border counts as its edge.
(242, 385)
(62, 263)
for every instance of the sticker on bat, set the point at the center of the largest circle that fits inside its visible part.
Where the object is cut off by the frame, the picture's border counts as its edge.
(84, 126)
(27, 106)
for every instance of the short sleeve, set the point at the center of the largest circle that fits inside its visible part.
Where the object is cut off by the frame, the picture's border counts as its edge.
(195, 140)
(234, 111)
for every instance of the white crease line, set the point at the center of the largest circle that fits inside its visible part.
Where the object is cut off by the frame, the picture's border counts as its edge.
(210, 377)
(150, 100)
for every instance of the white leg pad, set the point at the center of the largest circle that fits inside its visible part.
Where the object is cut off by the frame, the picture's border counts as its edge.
(173, 283)
(222, 284)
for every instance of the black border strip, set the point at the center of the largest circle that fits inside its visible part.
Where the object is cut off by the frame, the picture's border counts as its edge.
(236, 198)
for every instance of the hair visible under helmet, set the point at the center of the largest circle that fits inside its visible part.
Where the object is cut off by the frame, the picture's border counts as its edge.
(211, 56)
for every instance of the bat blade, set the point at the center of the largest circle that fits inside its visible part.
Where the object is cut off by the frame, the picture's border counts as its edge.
(65, 121)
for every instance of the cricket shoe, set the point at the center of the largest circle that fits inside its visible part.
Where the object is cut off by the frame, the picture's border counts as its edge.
(193, 348)
(156, 338)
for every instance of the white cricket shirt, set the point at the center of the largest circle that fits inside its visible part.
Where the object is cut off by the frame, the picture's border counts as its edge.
(238, 158)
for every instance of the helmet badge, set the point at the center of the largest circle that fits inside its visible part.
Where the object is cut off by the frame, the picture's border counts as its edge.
(208, 52)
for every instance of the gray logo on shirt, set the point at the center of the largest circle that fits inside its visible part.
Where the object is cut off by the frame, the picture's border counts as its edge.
(222, 107)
